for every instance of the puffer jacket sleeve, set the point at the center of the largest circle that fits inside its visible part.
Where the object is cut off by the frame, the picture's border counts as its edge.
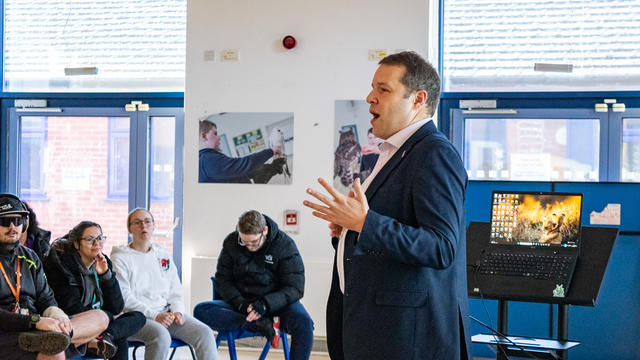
(224, 283)
(45, 296)
(290, 277)
(67, 288)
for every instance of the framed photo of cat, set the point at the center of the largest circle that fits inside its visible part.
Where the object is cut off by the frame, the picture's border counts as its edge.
(355, 146)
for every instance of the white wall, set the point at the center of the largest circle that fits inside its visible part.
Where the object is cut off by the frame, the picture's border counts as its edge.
(329, 63)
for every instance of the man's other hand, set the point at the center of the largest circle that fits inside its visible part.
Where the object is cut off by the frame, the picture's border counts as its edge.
(50, 324)
(348, 212)
(64, 324)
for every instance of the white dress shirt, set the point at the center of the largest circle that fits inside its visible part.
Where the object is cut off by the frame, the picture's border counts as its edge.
(387, 150)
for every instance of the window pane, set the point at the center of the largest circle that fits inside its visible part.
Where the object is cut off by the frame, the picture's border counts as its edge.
(630, 150)
(31, 179)
(77, 172)
(32, 145)
(135, 46)
(532, 149)
(162, 178)
(493, 45)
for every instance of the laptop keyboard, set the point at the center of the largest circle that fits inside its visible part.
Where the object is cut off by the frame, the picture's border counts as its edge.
(528, 265)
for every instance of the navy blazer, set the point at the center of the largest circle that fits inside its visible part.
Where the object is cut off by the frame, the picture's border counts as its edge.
(405, 276)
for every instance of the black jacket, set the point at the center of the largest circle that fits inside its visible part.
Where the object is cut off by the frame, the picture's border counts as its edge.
(274, 273)
(35, 293)
(41, 239)
(64, 270)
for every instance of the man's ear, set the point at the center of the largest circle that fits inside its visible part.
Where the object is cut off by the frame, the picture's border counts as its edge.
(265, 231)
(420, 99)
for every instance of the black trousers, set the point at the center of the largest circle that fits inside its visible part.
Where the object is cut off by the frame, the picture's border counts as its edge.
(334, 318)
(121, 328)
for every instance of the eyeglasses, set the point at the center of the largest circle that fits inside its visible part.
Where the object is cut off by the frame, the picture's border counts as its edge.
(250, 243)
(6, 221)
(92, 239)
(140, 222)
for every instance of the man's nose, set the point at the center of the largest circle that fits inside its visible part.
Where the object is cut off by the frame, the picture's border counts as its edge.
(370, 97)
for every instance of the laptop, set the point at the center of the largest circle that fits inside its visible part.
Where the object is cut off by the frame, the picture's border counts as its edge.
(534, 243)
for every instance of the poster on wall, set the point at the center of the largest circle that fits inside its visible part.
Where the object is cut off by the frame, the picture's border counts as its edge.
(355, 147)
(249, 142)
(260, 150)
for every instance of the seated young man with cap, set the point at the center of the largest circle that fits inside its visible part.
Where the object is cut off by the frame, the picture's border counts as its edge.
(31, 324)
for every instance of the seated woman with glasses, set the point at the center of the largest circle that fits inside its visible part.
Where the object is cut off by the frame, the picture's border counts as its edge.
(82, 278)
(150, 284)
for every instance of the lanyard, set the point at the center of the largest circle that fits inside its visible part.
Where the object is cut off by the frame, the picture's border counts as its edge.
(96, 302)
(15, 291)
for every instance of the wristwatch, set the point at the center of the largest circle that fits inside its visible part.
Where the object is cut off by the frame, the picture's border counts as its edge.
(34, 318)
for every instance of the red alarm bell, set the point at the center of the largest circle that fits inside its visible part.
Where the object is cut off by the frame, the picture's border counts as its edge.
(289, 42)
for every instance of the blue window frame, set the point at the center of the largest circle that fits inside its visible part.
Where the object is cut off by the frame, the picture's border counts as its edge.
(532, 144)
(162, 159)
(118, 158)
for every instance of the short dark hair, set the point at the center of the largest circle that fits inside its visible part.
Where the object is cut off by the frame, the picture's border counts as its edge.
(75, 235)
(206, 126)
(418, 75)
(251, 222)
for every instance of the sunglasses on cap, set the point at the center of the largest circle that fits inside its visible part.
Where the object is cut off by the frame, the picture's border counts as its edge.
(6, 221)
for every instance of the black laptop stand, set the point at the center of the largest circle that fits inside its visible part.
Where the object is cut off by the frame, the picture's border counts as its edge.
(595, 249)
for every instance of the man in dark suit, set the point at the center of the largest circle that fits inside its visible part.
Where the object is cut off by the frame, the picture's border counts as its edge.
(399, 279)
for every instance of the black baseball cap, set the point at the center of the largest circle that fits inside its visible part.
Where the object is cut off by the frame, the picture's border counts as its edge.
(10, 204)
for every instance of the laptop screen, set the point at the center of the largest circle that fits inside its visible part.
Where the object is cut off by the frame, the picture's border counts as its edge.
(535, 218)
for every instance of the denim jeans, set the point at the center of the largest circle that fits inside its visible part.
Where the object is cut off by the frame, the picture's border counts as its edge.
(294, 320)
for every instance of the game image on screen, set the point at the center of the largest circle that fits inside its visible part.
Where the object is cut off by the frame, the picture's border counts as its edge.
(535, 219)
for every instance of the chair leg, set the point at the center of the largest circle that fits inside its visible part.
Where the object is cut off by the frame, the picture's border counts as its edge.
(232, 347)
(173, 352)
(193, 354)
(285, 344)
(265, 351)
(135, 348)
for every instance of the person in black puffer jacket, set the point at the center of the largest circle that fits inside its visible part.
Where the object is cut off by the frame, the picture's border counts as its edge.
(259, 276)
(35, 238)
(82, 278)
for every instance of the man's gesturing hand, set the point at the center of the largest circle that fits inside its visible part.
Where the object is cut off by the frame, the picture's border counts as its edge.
(348, 212)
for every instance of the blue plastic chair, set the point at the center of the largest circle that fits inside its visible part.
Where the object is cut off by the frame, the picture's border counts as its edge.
(175, 344)
(232, 336)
